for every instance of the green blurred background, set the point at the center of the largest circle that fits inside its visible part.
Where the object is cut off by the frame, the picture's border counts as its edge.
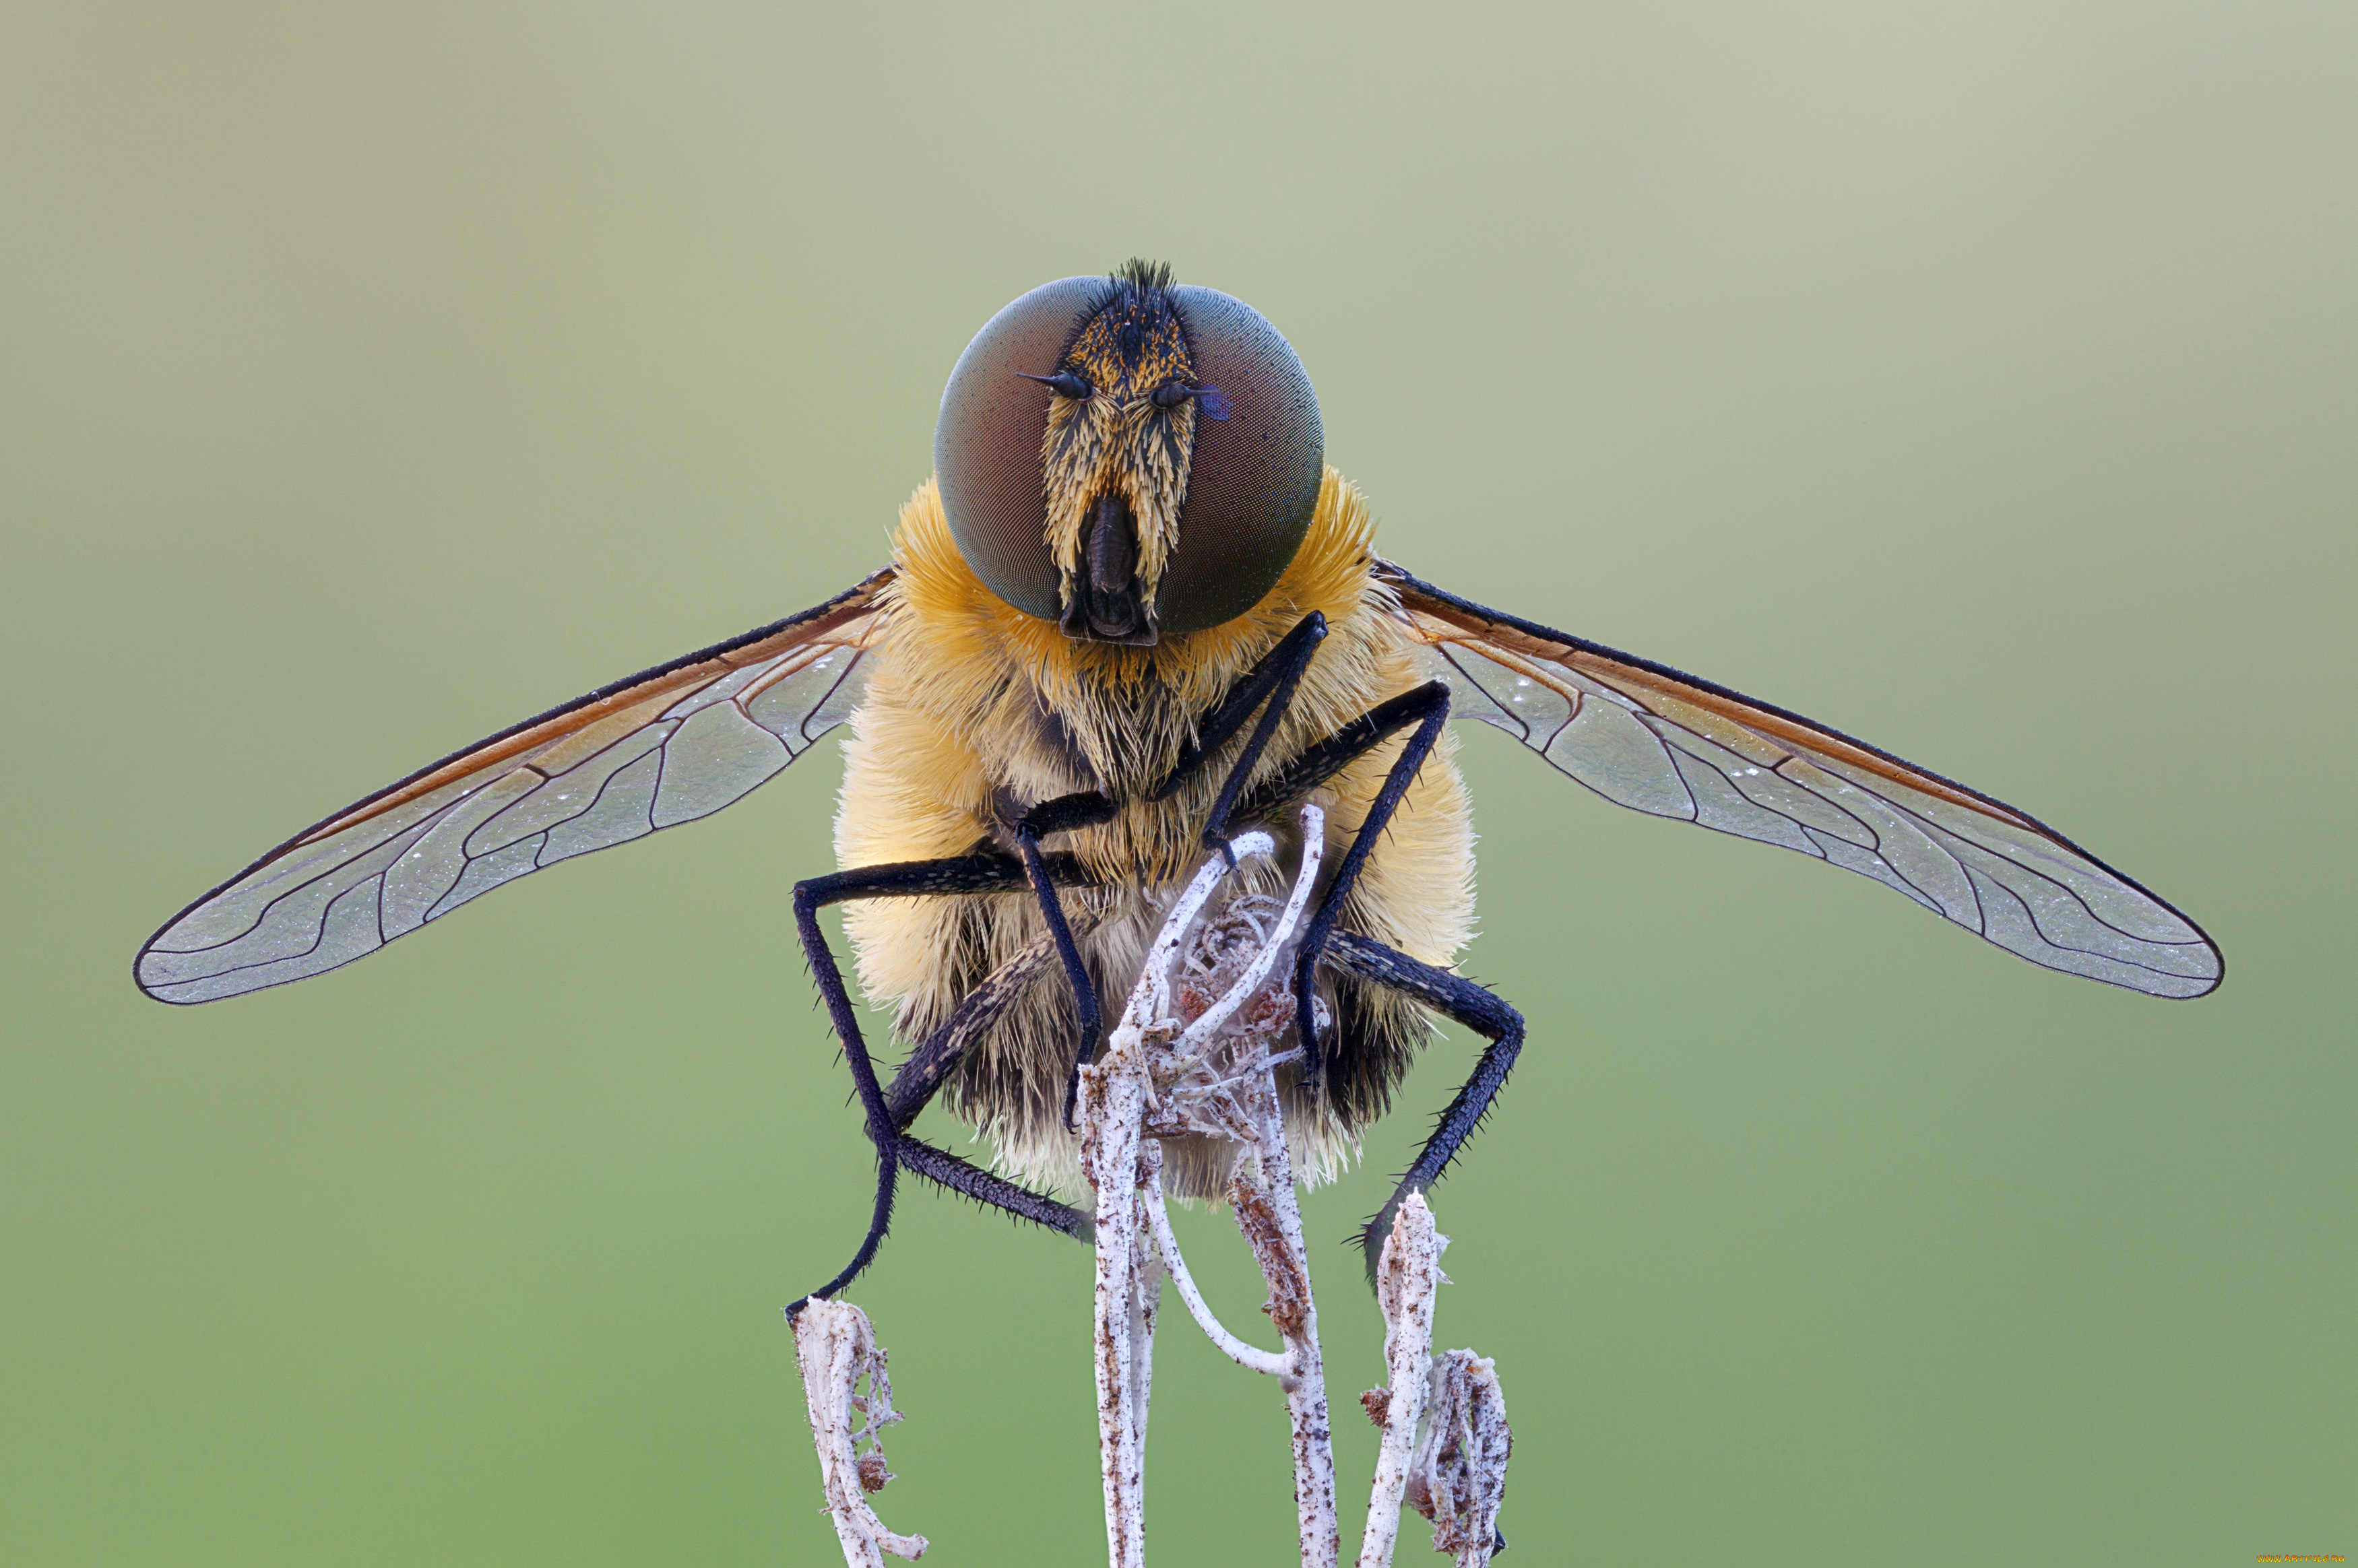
(1980, 383)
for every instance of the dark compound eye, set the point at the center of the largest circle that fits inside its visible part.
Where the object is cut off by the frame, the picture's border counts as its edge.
(1261, 451)
(986, 446)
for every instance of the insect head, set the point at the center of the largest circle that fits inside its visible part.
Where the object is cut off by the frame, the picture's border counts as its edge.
(1129, 457)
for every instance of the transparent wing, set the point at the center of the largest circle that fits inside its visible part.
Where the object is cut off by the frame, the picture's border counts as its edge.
(663, 747)
(1647, 737)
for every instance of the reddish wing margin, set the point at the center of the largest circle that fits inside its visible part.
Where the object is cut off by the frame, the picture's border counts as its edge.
(1648, 736)
(666, 746)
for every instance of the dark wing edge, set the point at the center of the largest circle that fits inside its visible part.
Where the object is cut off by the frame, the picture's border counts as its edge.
(667, 745)
(1654, 738)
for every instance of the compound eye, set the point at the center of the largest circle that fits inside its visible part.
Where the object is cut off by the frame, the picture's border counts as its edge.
(1253, 481)
(987, 444)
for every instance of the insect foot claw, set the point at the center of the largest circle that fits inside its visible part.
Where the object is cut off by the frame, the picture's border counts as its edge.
(1311, 1022)
(1379, 1230)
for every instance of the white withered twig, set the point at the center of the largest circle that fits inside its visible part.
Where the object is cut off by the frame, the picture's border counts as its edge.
(836, 1348)
(1458, 1476)
(1267, 1212)
(1194, 1056)
(1251, 1358)
(1408, 1277)
(1114, 1093)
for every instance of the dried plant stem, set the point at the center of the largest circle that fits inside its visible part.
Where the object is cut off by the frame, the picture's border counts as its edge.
(1196, 1057)
(1203, 1093)
(835, 1346)
(1457, 1477)
(1262, 1197)
(1114, 1094)
(1112, 1100)
(1408, 1277)
(1251, 1358)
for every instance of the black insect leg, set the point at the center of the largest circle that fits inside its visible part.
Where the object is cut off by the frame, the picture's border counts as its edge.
(1427, 708)
(928, 1066)
(1077, 810)
(977, 873)
(946, 1168)
(1272, 681)
(915, 1085)
(1456, 997)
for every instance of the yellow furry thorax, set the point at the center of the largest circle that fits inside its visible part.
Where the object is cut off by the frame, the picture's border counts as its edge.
(976, 712)
(1024, 696)
(1328, 574)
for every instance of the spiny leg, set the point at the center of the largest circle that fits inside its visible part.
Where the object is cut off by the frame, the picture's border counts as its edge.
(982, 872)
(1270, 684)
(1455, 996)
(1272, 681)
(922, 1074)
(1427, 708)
(921, 1077)
(1078, 810)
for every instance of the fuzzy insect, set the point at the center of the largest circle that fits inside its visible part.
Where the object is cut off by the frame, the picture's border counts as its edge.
(1132, 613)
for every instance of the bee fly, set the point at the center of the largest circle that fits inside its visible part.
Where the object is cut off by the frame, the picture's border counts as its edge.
(1132, 612)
